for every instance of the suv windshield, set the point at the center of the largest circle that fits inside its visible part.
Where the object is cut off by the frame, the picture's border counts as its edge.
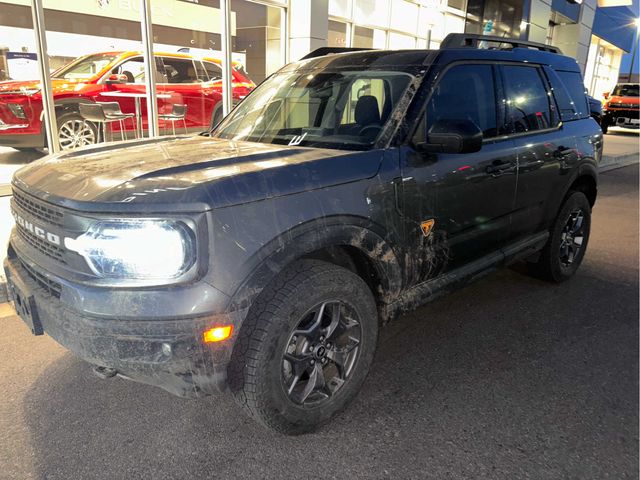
(626, 91)
(342, 110)
(85, 67)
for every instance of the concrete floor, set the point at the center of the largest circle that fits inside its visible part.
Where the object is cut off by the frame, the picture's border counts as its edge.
(509, 378)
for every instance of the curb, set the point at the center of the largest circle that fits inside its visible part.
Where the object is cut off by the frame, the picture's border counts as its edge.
(612, 162)
(607, 163)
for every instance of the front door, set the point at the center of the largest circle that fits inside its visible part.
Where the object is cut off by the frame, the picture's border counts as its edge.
(468, 197)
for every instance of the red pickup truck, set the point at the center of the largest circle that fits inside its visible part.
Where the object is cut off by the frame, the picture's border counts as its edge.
(181, 79)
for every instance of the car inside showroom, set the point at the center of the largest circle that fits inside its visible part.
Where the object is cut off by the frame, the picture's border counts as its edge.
(332, 238)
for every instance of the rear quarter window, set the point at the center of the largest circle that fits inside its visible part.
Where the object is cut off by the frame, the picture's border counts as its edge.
(575, 87)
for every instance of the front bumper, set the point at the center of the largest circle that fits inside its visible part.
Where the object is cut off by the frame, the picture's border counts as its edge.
(165, 352)
(621, 117)
(8, 139)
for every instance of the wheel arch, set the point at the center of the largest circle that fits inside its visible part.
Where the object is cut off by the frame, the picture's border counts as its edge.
(71, 104)
(354, 247)
(586, 181)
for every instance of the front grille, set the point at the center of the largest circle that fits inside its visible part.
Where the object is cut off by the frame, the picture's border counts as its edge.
(41, 210)
(44, 247)
(49, 286)
(624, 105)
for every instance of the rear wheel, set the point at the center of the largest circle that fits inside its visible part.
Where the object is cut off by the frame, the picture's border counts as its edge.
(74, 131)
(567, 244)
(305, 348)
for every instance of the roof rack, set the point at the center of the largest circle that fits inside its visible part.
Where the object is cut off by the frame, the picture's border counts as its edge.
(467, 40)
(322, 51)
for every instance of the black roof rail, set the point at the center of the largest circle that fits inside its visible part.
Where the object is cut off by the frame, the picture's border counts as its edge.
(468, 40)
(322, 51)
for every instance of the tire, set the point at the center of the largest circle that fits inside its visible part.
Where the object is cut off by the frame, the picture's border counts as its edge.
(569, 236)
(74, 131)
(289, 319)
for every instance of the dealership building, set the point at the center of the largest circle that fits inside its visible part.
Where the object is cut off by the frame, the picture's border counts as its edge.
(262, 36)
(267, 34)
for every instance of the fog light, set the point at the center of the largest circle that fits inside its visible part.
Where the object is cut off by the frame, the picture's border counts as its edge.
(217, 334)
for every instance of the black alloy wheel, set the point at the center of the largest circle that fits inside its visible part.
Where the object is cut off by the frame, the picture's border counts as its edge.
(321, 352)
(572, 238)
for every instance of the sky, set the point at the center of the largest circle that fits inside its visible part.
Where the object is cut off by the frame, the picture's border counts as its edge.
(626, 59)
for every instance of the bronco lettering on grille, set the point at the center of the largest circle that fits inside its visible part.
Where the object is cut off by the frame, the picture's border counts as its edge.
(37, 231)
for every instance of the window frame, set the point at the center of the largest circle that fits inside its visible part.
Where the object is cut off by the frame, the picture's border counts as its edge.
(205, 63)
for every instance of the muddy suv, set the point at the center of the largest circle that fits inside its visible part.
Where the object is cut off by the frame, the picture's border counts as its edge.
(181, 79)
(348, 188)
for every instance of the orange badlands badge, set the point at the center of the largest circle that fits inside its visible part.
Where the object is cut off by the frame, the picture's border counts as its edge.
(427, 226)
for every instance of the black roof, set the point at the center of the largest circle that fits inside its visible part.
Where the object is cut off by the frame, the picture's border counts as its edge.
(456, 47)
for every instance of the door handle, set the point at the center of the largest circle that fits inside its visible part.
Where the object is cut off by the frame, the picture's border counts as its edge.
(499, 167)
(563, 152)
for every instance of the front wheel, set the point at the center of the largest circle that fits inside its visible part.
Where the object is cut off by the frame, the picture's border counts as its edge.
(74, 131)
(567, 244)
(305, 348)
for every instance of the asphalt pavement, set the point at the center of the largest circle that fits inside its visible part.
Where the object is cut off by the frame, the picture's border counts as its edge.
(509, 378)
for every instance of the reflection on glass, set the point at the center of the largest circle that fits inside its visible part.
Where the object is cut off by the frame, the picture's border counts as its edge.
(368, 37)
(337, 35)
(342, 110)
(258, 42)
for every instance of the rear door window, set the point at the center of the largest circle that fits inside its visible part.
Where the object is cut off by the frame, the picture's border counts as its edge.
(213, 71)
(528, 101)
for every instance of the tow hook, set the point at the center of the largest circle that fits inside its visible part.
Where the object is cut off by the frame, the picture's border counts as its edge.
(104, 372)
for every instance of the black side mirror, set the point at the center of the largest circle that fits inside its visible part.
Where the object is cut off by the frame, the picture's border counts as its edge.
(452, 136)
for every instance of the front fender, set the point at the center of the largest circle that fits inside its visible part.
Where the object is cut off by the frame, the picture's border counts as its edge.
(304, 239)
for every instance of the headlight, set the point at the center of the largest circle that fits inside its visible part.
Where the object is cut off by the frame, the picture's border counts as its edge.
(137, 249)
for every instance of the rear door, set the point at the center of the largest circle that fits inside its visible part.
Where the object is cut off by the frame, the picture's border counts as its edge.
(546, 150)
(469, 196)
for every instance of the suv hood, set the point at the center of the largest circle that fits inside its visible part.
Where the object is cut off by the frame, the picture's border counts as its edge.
(23, 87)
(188, 173)
(18, 87)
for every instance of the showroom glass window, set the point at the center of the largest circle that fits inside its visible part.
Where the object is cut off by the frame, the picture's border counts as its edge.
(528, 101)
